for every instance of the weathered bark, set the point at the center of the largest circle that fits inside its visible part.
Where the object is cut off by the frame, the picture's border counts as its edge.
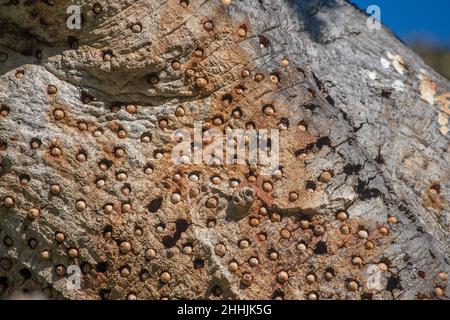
(357, 105)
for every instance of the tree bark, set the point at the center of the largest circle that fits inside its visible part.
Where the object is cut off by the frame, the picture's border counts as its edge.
(87, 115)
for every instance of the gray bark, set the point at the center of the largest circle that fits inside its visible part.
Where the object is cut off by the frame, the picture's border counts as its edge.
(359, 105)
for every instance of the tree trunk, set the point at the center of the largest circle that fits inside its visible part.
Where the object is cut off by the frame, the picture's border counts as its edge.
(359, 208)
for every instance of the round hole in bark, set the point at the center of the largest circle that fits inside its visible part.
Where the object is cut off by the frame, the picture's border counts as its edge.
(285, 122)
(108, 228)
(7, 241)
(199, 263)
(169, 242)
(32, 243)
(105, 164)
(330, 270)
(278, 294)
(324, 141)
(321, 248)
(181, 225)
(227, 98)
(24, 179)
(311, 185)
(184, 3)
(72, 42)
(393, 283)
(107, 55)
(115, 107)
(236, 113)
(97, 8)
(366, 296)
(263, 41)
(216, 290)
(4, 283)
(4, 110)
(102, 267)
(104, 294)
(85, 267)
(250, 125)
(3, 145)
(25, 273)
(35, 143)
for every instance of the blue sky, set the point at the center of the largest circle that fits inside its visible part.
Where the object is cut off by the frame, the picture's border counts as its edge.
(410, 18)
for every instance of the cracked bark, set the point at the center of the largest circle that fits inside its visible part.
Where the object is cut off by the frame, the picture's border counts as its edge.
(356, 104)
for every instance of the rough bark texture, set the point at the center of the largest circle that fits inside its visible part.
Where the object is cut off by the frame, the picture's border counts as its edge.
(91, 159)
